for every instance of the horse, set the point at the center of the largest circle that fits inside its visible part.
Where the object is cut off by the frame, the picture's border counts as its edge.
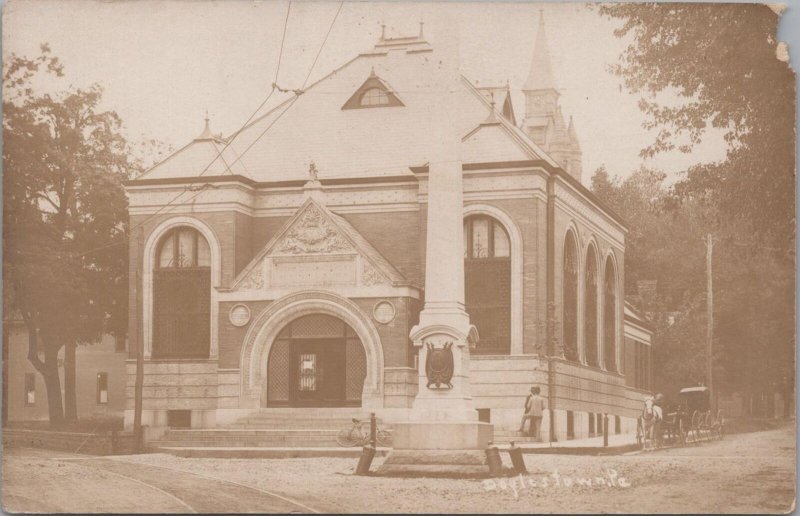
(651, 419)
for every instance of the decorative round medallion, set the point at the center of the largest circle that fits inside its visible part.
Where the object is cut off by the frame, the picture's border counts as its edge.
(239, 315)
(383, 312)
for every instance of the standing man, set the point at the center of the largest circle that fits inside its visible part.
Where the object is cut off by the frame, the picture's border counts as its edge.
(534, 408)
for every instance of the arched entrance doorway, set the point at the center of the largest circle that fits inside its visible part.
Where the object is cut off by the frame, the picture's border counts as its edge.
(316, 360)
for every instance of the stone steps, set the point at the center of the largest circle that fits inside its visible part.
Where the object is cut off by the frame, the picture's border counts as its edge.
(268, 429)
(285, 424)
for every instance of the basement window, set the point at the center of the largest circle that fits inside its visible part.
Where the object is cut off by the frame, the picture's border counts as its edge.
(102, 388)
(179, 418)
(30, 389)
(570, 425)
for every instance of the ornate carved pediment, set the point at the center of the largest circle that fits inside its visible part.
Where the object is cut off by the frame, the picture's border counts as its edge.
(370, 275)
(254, 279)
(316, 250)
(312, 233)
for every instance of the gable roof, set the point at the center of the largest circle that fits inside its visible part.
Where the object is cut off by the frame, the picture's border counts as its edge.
(343, 238)
(203, 155)
(356, 143)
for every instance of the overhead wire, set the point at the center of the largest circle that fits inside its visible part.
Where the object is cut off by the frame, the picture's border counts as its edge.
(189, 186)
(297, 93)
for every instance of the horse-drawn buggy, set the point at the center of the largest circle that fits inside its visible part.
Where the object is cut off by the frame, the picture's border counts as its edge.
(703, 423)
(689, 420)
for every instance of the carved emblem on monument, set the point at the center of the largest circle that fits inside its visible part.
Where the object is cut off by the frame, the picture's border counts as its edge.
(439, 366)
(313, 234)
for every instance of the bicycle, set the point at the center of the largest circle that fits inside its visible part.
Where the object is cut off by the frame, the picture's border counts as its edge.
(358, 435)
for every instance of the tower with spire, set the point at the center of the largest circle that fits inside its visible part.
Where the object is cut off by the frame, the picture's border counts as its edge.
(544, 122)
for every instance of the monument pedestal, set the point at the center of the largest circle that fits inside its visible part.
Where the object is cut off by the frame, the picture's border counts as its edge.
(439, 449)
(443, 437)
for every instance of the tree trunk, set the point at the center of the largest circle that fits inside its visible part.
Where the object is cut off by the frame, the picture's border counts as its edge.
(48, 369)
(70, 394)
(52, 384)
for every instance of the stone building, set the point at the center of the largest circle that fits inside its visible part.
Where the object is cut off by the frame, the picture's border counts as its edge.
(285, 266)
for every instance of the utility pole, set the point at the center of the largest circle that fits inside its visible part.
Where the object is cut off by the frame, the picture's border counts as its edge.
(709, 319)
(137, 410)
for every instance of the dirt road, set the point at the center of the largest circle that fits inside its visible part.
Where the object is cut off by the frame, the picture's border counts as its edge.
(744, 473)
(41, 481)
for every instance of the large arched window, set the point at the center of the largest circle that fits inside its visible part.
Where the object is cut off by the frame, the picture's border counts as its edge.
(487, 283)
(590, 308)
(182, 295)
(570, 299)
(610, 317)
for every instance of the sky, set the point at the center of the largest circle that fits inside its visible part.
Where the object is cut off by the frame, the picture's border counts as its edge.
(164, 63)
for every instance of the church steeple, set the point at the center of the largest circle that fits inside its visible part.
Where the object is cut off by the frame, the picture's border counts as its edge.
(544, 121)
(540, 76)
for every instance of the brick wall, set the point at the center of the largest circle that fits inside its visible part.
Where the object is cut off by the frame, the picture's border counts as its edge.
(396, 236)
(397, 348)
(231, 337)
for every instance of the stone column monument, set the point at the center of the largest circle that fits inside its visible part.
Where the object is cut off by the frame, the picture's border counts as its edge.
(443, 435)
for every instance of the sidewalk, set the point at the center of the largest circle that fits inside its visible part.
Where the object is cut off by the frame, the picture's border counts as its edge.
(617, 445)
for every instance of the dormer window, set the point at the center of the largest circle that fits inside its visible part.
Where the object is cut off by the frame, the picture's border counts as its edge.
(374, 97)
(373, 93)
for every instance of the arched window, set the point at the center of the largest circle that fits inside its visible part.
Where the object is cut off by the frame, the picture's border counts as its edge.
(610, 317)
(182, 295)
(374, 97)
(570, 299)
(487, 283)
(590, 308)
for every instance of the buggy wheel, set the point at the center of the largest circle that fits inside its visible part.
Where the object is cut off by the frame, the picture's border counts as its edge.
(681, 432)
(695, 428)
(384, 438)
(346, 438)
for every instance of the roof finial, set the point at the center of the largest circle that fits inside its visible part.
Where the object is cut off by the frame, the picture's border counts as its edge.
(492, 118)
(313, 172)
(206, 134)
(383, 31)
(421, 26)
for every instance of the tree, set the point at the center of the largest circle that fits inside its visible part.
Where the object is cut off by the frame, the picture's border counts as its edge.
(65, 219)
(662, 244)
(720, 62)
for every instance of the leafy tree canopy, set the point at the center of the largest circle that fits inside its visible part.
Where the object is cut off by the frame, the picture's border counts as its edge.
(65, 214)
